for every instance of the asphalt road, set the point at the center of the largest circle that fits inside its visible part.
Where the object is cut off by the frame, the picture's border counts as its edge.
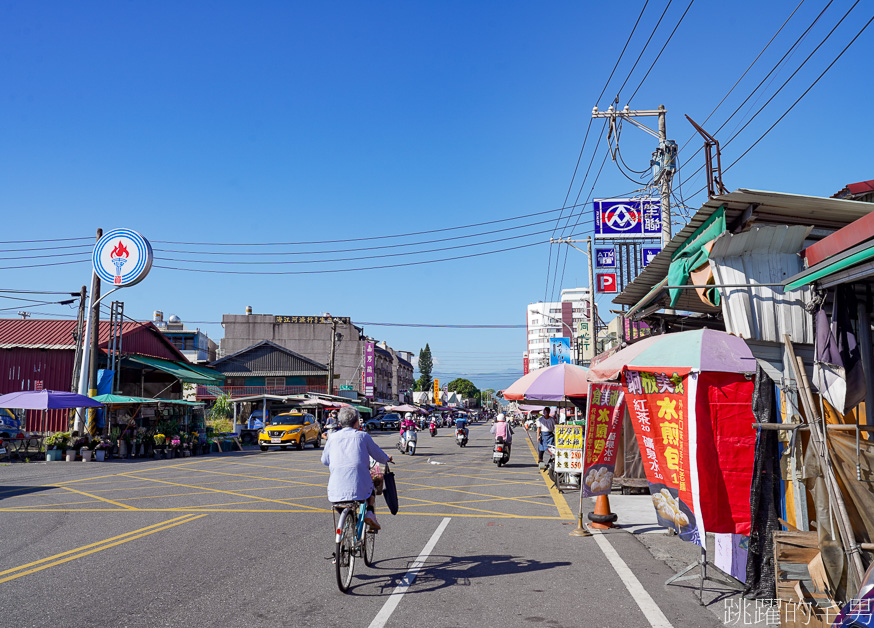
(245, 539)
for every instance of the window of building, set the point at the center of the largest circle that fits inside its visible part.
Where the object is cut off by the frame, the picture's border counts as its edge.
(274, 381)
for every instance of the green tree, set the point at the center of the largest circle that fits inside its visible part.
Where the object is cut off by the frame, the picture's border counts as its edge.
(426, 365)
(464, 387)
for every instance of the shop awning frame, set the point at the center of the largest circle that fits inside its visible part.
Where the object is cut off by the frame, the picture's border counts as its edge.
(176, 369)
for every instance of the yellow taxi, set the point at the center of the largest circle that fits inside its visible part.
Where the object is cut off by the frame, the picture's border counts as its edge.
(290, 429)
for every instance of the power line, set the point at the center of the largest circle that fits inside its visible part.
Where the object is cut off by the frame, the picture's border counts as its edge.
(48, 240)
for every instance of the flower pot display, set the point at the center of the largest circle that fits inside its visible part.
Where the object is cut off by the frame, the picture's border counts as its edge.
(100, 455)
(53, 455)
(87, 454)
(70, 455)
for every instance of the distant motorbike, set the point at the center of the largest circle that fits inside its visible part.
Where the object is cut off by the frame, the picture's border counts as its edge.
(501, 452)
(460, 437)
(433, 429)
(407, 442)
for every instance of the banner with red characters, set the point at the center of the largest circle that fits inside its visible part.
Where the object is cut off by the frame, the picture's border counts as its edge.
(664, 423)
(606, 407)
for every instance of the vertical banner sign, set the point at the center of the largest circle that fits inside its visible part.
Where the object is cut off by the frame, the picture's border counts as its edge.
(437, 392)
(569, 449)
(603, 429)
(584, 341)
(664, 423)
(560, 351)
(369, 358)
(525, 365)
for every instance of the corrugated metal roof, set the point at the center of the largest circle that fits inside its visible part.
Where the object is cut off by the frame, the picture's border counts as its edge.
(760, 256)
(140, 338)
(267, 359)
(768, 208)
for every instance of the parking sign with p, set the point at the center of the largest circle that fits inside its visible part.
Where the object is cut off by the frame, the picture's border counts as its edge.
(607, 283)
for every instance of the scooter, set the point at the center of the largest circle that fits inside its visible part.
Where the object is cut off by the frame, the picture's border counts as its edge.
(433, 429)
(407, 442)
(501, 452)
(460, 437)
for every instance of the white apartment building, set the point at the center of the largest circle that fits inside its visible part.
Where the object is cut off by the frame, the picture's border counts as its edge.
(552, 320)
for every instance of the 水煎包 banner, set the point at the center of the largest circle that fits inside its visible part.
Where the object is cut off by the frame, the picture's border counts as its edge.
(664, 423)
(606, 407)
(569, 449)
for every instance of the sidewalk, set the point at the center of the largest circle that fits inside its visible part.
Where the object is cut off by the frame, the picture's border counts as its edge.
(637, 520)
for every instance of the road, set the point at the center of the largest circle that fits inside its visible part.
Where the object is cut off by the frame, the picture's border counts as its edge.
(245, 539)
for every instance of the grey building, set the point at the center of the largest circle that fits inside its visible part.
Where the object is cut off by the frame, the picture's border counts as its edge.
(310, 336)
(193, 343)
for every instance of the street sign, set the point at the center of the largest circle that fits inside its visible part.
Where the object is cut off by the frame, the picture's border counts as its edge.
(560, 351)
(346, 387)
(436, 392)
(585, 341)
(628, 218)
(122, 257)
(605, 258)
(369, 364)
(647, 254)
(607, 283)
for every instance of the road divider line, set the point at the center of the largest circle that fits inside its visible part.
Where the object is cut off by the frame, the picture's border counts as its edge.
(406, 582)
(560, 503)
(641, 597)
(122, 538)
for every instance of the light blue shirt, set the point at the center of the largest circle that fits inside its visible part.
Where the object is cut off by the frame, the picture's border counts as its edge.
(347, 454)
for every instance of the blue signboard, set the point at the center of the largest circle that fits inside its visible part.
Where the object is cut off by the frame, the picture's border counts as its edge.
(628, 218)
(647, 254)
(560, 351)
(605, 258)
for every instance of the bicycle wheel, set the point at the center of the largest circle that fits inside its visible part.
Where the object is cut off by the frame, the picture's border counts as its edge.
(344, 556)
(369, 544)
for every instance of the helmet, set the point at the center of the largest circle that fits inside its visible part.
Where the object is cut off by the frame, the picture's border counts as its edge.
(409, 416)
(500, 418)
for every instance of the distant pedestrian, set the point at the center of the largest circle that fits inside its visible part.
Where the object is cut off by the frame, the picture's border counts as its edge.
(545, 433)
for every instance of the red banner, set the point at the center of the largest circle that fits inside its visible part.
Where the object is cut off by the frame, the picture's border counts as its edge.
(664, 424)
(606, 406)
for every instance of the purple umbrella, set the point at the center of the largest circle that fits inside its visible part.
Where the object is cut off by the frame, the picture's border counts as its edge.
(46, 400)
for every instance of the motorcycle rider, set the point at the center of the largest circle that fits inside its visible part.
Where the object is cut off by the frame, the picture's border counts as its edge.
(502, 429)
(461, 424)
(331, 424)
(433, 426)
(407, 424)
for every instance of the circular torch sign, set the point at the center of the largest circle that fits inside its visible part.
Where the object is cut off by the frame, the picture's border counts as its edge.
(122, 257)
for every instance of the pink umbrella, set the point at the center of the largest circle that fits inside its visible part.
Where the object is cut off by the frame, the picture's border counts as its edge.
(403, 408)
(554, 383)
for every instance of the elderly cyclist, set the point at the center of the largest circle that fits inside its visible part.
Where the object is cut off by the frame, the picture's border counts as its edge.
(347, 454)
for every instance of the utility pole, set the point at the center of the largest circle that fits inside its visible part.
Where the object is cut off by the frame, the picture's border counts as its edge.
(593, 318)
(664, 158)
(91, 424)
(331, 360)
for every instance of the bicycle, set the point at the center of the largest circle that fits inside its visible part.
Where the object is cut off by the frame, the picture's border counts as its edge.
(354, 539)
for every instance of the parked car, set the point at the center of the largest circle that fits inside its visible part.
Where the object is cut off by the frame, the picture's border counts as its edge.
(389, 421)
(291, 428)
(372, 425)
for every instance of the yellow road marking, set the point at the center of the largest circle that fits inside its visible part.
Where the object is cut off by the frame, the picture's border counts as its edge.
(433, 503)
(118, 540)
(519, 499)
(215, 490)
(252, 477)
(103, 499)
(563, 509)
(282, 511)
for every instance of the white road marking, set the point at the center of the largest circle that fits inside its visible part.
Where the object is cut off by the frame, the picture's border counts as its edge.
(406, 582)
(644, 601)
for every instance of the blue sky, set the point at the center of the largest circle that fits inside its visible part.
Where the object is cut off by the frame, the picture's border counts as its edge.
(306, 124)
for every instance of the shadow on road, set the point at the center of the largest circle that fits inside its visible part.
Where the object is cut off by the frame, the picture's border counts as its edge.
(18, 491)
(439, 571)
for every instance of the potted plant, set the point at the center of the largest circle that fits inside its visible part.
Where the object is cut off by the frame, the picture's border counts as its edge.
(87, 450)
(160, 441)
(55, 445)
(75, 445)
(103, 450)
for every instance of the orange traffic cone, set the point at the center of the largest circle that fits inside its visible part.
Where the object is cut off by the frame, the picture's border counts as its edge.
(602, 518)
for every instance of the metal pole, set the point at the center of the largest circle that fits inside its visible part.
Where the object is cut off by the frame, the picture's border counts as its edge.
(84, 371)
(91, 424)
(80, 323)
(593, 319)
